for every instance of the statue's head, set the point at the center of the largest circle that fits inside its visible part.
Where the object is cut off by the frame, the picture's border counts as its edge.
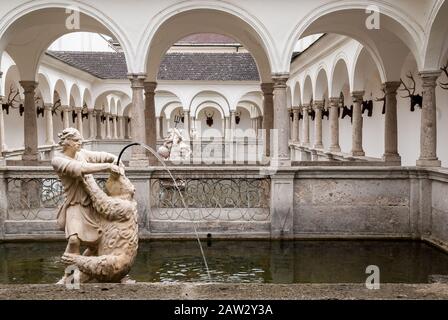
(70, 138)
(119, 186)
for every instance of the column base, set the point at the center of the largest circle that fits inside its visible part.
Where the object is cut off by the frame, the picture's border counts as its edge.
(358, 153)
(319, 146)
(49, 143)
(280, 162)
(335, 149)
(392, 159)
(429, 163)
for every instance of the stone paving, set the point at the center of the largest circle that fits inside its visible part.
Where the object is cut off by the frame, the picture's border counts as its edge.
(202, 291)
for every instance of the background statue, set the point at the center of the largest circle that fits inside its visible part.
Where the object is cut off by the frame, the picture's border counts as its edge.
(174, 147)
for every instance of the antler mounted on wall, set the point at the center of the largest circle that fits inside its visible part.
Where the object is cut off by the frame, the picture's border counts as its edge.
(13, 101)
(384, 101)
(444, 86)
(367, 106)
(416, 99)
(209, 116)
(40, 109)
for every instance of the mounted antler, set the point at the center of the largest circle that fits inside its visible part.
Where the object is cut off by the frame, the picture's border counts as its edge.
(40, 110)
(347, 112)
(415, 99)
(209, 117)
(444, 86)
(384, 101)
(11, 100)
(367, 106)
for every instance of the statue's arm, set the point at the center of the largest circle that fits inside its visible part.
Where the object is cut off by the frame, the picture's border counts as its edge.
(76, 169)
(99, 157)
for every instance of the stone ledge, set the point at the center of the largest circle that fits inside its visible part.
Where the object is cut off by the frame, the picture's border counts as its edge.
(211, 291)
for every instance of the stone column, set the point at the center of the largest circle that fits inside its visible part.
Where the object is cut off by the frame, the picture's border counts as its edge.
(127, 133)
(49, 140)
(232, 124)
(334, 125)
(187, 125)
(150, 118)
(295, 125)
(428, 129)
(158, 128)
(391, 128)
(161, 119)
(115, 127)
(306, 126)
(268, 117)
(281, 119)
(99, 129)
(91, 125)
(30, 122)
(79, 121)
(66, 116)
(108, 131)
(357, 149)
(121, 127)
(318, 107)
(138, 155)
(227, 131)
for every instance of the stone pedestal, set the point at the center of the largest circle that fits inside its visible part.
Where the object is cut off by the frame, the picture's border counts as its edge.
(428, 130)
(30, 122)
(282, 205)
(391, 155)
(138, 155)
(318, 107)
(357, 149)
(268, 116)
(334, 125)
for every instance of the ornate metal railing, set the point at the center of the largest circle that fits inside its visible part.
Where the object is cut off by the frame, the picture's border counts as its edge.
(236, 199)
(35, 198)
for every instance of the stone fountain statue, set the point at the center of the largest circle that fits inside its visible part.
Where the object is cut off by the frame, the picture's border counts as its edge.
(174, 147)
(104, 222)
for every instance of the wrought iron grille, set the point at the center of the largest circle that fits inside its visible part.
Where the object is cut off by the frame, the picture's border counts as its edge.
(211, 199)
(36, 198)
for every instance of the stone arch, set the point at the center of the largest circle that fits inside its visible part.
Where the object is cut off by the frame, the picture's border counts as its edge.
(44, 88)
(257, 109)
(75, 94)
(297, 98)
(209, 95)
(87, 99)
(187, 20)
(209, 104)
(339, 78)
(399, 33)
(100, 96)
(436, 46)
(364, 70)
(15, 31)
(321, 86)
(61, 88)
(288, 97)
(12, 79)
(307, 90)
(200, 116)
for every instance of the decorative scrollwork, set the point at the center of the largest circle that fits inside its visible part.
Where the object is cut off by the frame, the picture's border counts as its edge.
(212, 199)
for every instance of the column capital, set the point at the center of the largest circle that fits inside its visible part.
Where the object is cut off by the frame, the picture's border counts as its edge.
(334, 102)
(296, 109)
(137, 80)
(358, 96)
(430, 78)
(267, 88)
(305, 107)
(280, 80)
(391, 87)
(65, 108)
(318, 104)
(29, 86)
(48, 106)
(150, 87)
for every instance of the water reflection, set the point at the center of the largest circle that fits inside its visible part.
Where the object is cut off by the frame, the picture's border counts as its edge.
(244, 262)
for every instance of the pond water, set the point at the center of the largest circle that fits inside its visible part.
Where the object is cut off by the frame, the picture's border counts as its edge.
(244, 261)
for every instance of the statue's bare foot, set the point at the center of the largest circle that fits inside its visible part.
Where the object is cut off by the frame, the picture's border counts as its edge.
(62, 281)
(68, 258)
(128, 280)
